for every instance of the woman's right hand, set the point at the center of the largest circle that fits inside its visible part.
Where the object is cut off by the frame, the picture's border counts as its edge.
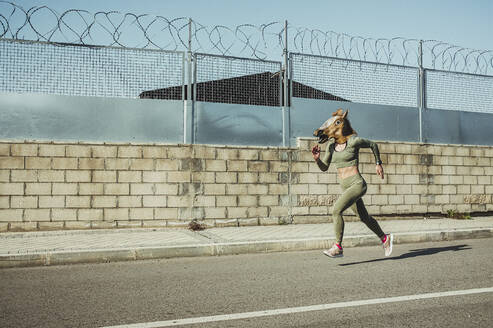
(316, 152)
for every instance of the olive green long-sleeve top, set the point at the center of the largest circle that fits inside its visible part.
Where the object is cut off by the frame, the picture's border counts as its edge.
(349, 156)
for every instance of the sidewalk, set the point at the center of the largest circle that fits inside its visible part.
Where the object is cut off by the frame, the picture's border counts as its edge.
(89, 246)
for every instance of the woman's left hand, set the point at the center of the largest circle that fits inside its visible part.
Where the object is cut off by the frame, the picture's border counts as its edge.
(380, 170)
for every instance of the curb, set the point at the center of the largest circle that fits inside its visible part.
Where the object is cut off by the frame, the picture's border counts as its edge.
(232, 248)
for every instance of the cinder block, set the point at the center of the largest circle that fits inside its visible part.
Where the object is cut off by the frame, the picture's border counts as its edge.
(130, 201)
(317, 189)
(456, 179)
(141, 214)
(484, 180)
(90, 189)
(23, 202)
(103, 176)
(154, 152)
(477, 189)
(248, 200)
(11, 215)
(90, 215)
(204, 177)
(5, 149)
(154, 224)
(103, 201)
(237, 189)
(248, 154)
(301, 167)
(226, 177)
(37, 215)
(129, 176)
(248, 222)
(154, 201)
(155, 176)
(215, 189)
(283, 189)
(221, 223)
(258, 166)
(78, 151)
(204, 201)
(166, 189)
(116, 189)
(278, 211)
(104, 151)
(395, 199)
(116, 214)
(299, 189)
(52, 150)
(237, 166)
(77, 225)
(130, 151)
(257, 212)
(309, 178)
(458, 161)
(38, 188)
(400, 189)
(214, 213)
(64, 163)
(165, 213)
(237, 212)
(4, 175)
(279, 166)
(78, 201)
(77, 176)
(117, 163)
(247, 177)
(167, 164)
(257, 189)
(268, 200)
(4, 202)
(142, 189)
(269, 155)
(51, 176)
(11, 188)
(51, 201)
(104, 224)
(43, 163)
(146, 164)
(179, 201)
(179, 177)
(91, 163)
(24, 226)
(215, 165)
(24, 176)
(62, 214)
(226, 201)
(203, 152)
(183, 151)
(388, 189)
(23, 150)
(64, 189)
(226, 153)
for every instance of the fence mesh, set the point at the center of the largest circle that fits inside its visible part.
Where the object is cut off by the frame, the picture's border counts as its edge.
(459, 91)
(354, 81)
(86, 70)
(237, 80)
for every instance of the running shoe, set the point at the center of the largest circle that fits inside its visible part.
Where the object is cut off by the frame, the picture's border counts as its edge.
(387, 246)
(334, 251)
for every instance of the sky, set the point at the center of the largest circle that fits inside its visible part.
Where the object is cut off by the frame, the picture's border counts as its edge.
(459, 22)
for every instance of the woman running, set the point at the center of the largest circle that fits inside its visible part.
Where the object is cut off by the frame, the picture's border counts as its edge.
(343, 151)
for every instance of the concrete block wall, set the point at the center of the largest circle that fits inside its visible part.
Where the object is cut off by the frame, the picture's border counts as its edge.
(46, 186)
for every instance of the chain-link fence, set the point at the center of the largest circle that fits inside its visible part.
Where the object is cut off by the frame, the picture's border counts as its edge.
(237, 80)
(75, 70)
(355, 81)
(459, 91)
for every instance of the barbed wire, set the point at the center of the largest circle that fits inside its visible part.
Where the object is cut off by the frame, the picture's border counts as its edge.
(264, 41)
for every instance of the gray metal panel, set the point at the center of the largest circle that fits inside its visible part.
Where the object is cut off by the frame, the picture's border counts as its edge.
(234, 124)
(457, 127)
(51, 117)
(378, 122)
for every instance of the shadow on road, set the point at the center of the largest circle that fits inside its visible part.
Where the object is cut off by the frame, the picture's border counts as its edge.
(415, 253)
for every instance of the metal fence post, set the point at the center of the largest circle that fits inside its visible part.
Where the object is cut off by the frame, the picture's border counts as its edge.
(421, 89)
(286, 133)
(188, 108)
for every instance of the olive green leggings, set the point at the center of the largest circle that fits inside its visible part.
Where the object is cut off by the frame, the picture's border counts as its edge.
(353, 188)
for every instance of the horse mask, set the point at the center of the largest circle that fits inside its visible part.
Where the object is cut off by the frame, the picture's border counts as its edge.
(337, 127)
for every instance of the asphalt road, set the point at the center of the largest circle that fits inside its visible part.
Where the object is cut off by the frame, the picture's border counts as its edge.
(100, 295)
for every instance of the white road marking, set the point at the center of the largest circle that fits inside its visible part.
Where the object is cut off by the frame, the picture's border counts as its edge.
(320, 307)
